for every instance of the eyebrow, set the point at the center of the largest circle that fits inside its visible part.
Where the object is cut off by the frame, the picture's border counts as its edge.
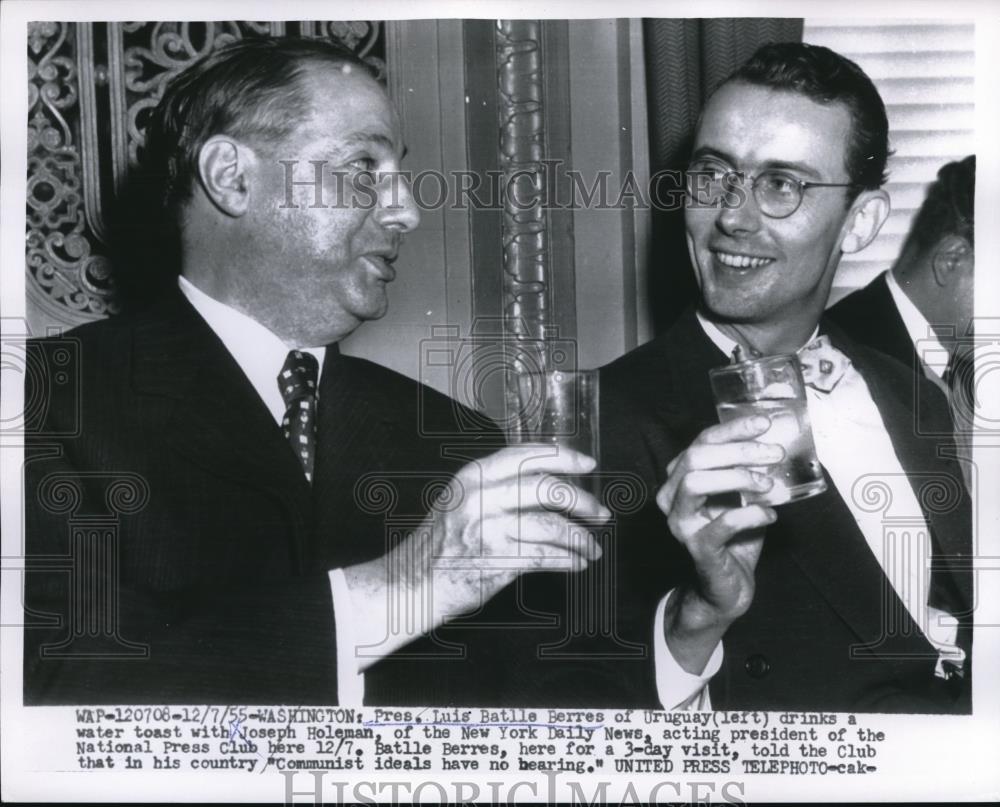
(770, 165)
(372, 138)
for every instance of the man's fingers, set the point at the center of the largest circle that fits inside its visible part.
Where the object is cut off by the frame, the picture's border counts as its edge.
(745, 428)
(535, 558)
(555, 493)
(530, 458)
(705, 483)
(510, 539)
(707, 536)
(706, 469)
(732, 522)
(727, 445)
(544, 493)
(666, 494)
(553, 531)
(550, 556)
(727, 455)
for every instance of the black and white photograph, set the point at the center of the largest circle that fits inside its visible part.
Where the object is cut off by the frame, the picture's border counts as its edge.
(457, 405)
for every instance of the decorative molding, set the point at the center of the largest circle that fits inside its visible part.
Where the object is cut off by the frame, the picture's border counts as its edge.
(520, 103)
(60, 262)
(91, 86)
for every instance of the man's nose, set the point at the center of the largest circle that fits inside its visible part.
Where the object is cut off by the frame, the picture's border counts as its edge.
(396, 208)
(743, 216)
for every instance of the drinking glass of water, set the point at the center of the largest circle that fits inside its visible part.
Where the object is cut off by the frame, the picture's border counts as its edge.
(559, 407)
(773, 386)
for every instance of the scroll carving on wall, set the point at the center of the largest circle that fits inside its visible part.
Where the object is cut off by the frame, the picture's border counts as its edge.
(90, 89)
(522, 149)
(525, 225)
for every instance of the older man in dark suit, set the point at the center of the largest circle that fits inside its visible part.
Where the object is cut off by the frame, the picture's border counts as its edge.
(803, 605)
(229, 509)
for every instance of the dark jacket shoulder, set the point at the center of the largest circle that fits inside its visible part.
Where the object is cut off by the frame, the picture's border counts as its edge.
(433, 414)
(870, 316)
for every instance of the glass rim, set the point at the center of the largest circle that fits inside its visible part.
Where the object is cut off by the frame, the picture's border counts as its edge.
(742, 365)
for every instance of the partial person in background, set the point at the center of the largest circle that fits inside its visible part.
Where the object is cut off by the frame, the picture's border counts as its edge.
(920, 311)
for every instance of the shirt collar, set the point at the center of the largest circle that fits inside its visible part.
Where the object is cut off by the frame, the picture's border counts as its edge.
(932, 353)
(258, 351)
(725, 343)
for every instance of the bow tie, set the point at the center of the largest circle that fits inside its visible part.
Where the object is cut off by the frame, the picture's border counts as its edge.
(822, 364)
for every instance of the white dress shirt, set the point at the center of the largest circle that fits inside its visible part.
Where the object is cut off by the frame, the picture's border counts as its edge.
(853, 445)
(261, 355)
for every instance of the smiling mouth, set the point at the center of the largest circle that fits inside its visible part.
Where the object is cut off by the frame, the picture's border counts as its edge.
(737, 260)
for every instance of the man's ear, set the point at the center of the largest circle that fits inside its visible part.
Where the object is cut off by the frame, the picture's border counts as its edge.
(222, 172)
(952, 254)
(867, 215)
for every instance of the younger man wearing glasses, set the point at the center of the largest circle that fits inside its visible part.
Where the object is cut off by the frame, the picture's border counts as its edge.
(820, 603)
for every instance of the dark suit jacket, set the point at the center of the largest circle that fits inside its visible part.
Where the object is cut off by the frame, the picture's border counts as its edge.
(160, 491)
(815, 637)
(870, 316)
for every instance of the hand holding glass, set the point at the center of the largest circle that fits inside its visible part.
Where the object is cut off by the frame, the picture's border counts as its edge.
(773, 386)
(560, 407)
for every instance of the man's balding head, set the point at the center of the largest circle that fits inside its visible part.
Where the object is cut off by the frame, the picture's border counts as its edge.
(281, 160)
(252, 90)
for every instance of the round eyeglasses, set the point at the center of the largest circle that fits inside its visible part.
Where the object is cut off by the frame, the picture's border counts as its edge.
(777, 193)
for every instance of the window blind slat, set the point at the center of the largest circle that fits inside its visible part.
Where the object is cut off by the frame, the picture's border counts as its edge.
(944, 90)
(907, 196)
(817, 25)
(884, 249)
(916, 143)
(897, 225)
(905, 38)
(921, 168)
(928, 64)
(925, 72)
(932, 117)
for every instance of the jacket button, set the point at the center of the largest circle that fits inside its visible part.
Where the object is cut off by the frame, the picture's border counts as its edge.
(757, 666)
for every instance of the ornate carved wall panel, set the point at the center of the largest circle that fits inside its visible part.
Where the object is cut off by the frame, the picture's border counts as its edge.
(532, 106)
(91, 87)
(522, 149)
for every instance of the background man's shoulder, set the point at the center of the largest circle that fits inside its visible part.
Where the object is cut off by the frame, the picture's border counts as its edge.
(862, 304)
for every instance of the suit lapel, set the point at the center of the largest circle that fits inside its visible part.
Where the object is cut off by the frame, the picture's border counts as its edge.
(822, 537)
(684, 399)
(215, 418)
(936, 481)
(355, 436)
